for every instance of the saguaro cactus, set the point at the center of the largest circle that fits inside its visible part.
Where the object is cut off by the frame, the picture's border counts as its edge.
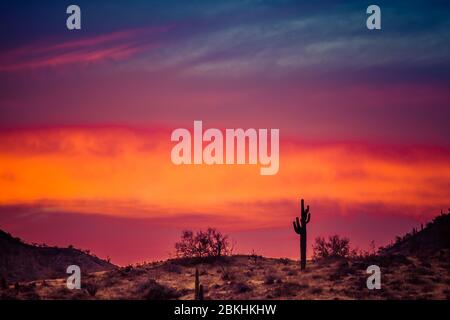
(300, 229)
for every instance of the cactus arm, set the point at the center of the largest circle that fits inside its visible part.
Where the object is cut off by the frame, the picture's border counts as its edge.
(307, 209)
(308, 218)
(297, 227)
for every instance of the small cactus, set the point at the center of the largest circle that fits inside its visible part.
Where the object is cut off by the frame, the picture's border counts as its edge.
(300, 229)
(200, 293)
(198, 287)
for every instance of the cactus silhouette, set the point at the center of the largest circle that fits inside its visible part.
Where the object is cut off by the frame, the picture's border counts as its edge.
(198, 287)
(200, 293)
(300, 229)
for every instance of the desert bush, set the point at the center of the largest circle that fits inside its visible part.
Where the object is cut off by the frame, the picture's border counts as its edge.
(241, 287)
(254, 257)
(292, 272)
(172, 267)
(227, 273)
(127, 268)
(249, 273)
(209, 243)
(341, 270)
(60, 293)
(289, 289)
(131, 271)
(109, 280)
(91, 288)
(155, 291)
(271, 278)
(335, 246)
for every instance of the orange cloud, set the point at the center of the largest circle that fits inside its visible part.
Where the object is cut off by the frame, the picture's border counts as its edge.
(128, 172)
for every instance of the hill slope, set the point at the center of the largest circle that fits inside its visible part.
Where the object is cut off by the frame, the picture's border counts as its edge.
(23, 262)
(243, 277)
(435, 236)
(417, 266)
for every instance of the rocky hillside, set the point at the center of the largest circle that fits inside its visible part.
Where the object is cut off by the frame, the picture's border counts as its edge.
(430, 238)
(417, 266)
(247, 277)
(20, 261)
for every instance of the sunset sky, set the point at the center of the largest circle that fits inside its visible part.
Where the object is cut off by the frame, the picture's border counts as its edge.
(86, 118)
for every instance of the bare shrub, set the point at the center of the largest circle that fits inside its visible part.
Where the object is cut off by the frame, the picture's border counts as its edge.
(271, 278)
(341, 270)
(335, 246)
(61, 293)
(156, 291)
(172, 267)
(209, 243)
(289, 289)
(91, 288)
(292, 272)
(242, 287)
(227, 273)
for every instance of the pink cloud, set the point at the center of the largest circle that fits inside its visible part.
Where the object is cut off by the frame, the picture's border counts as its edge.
(112, 46)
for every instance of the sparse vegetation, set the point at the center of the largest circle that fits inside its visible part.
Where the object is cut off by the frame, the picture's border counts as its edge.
(155, 291)
(209, 243)
(271, 278)
(289, 289)
(342, 275)
(335, 246)
(227, 273)
(91, 288)
(242, 287)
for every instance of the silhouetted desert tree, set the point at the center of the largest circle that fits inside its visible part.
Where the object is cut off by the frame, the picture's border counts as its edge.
(300, 229)
(209, 243)
(335, 246)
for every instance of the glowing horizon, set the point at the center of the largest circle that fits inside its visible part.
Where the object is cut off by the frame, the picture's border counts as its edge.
(86, 118)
